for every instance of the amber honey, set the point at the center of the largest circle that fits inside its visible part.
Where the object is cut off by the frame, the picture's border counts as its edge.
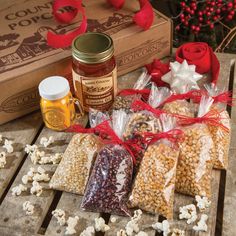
(57, 103)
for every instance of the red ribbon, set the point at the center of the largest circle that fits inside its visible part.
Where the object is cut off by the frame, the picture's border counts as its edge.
(127, 92)
(157, 69)
(201, 55)
(211, 118)
(193, 94)
(65, 40)
(144, 18)
(174, 136)
(225, 98)
(139, 105)
(108, 135)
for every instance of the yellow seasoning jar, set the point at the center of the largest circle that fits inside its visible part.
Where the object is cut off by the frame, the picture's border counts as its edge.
(57, 103)
(94, 70)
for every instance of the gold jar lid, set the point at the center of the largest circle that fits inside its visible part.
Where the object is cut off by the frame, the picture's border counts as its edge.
(92, 47)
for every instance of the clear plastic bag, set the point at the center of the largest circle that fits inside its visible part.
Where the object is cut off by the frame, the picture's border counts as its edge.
(197, 153)
(73, 171)
(124, 102)
(154, 185)
(111, 178)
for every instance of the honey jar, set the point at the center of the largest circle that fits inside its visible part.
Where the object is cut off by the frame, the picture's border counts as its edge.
(94, 70)
(57, 104)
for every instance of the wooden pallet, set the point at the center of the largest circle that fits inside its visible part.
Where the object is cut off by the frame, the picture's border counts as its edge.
(30, 129)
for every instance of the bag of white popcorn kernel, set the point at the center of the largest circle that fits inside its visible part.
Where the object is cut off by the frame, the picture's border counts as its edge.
(197, 152)
(220, 134)
(154, 185)
(74, 169)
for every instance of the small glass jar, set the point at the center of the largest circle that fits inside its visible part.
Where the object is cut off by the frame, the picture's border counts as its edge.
(94, 70)
(57, 103)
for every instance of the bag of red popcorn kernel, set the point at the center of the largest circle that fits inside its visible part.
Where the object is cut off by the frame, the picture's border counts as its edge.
(111, 178)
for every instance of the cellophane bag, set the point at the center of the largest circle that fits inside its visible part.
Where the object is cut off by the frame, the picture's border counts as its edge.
(74, 169)
(111, 178)
(96, 117)
(154, 185)
(123, 102)
(197, 153)
(220, 135)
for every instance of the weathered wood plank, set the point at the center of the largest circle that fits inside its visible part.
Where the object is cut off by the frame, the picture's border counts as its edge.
(229, 224)
(21, 132)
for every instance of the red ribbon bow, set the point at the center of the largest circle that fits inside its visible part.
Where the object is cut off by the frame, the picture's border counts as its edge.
(174, 136)
(108, 135)
(157, 69)
(139, 105)
(127, 92)
(201, 55)
(211, 118)
(225, 98)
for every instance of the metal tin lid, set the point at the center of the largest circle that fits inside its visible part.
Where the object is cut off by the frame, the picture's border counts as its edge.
(92, 47)
(54, 87)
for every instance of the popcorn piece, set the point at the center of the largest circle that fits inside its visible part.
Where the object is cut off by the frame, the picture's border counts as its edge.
(113, 219)
(28, 208)
(188, 212)
(132, 225)
(8, 146)
(121, 233)
(142, 233)
(31, 172)
(100, 225)
(177, 232)
(54, 159)
(41, 177)
(29, 149)
(36, 189)
(201, 224)
(3, 160)
(26, 179)
(36, 156)
(60, 215)
(17, 190)
(89, 231)
(203, 203)
(46, 141)
(71, 222)
(164, 227)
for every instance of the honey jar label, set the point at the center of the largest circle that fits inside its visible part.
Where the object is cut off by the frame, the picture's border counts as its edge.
(96, 92)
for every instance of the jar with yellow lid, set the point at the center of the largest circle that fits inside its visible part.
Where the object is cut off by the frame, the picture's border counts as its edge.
(94, 70)
(57, 103)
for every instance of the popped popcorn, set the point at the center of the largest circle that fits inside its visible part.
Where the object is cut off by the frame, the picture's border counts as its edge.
(8, 146)
(71, 223)
(28, 208)
(201, 224)
(121, 233)
(36, 156)
(29, 149)
(188, 212)
(3, 160)
(54, 159)
(46, 141)
(36, 188)
(177, 232)
(41, 175)
(163, 226)
(100, 225)
(113, 219)
(1, 138)
(26, 179)
(142, 233)
(31, 172)
(89, 231)
(203, 203)
(17, 190)
(60, 215)
(132, 226)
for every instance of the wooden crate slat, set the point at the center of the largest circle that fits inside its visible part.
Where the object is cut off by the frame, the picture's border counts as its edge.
(21, 132)
(14, 217)
(229, 214)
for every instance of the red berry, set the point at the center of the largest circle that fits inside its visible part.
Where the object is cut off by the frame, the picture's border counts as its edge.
(230, 5)
(211, 26)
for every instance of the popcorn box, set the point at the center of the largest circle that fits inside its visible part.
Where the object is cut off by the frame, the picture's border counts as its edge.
(26, 59)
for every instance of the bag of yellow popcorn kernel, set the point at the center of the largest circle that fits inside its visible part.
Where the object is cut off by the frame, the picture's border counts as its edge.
(74, 169)
(220, 135)
(154, 185)
(197, 152)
